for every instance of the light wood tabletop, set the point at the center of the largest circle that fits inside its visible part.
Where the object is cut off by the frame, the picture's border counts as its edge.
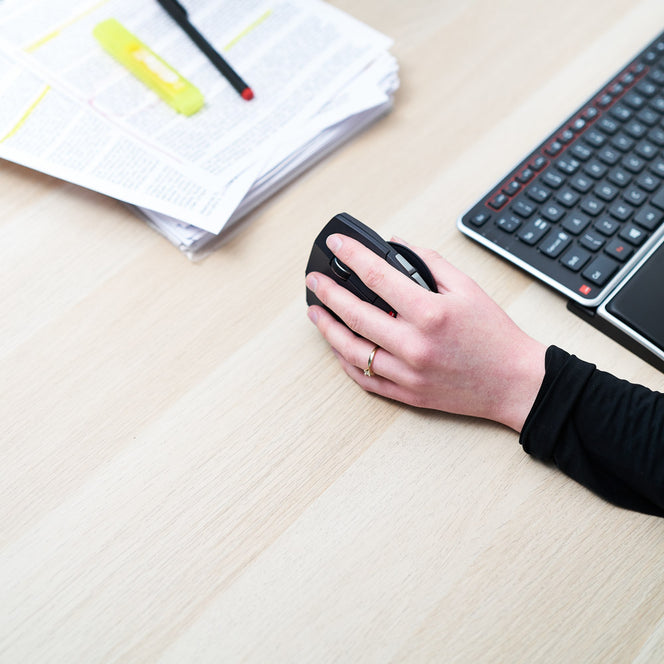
(189, 476)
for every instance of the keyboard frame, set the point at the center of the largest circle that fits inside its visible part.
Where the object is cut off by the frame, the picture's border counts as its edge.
(464, 224)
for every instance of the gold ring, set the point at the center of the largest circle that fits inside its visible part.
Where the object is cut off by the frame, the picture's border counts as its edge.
(368, 371)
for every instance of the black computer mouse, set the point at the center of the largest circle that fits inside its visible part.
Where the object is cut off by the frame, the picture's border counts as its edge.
(401, 257)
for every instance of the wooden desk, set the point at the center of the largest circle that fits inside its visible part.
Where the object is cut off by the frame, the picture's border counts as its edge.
(188, 475)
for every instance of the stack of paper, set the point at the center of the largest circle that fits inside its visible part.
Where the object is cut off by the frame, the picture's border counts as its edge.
(72, 111)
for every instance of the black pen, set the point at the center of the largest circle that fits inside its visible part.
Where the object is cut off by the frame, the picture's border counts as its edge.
(179, 14)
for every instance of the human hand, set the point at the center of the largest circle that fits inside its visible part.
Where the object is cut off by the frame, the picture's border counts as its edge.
(455, 350)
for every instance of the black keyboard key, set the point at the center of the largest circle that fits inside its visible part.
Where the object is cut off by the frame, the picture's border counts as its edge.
(633, 234)
(621, 113)
(635, 196)
(623, 143)
(582, 183)
(568, 166)
(538, 163)
(646, 150)
(616, 89)
(526, 175)
(555, 244)
(619, 250)
(600, 270)
(648, 182)
(595, 169)
(605, 100)
(658, 102)
(636, 129)
(594, 138)
(648, 217)
(508, 223)
(592, 206)
(523, 208)
(648, 116)
(537, 193)
(621, 211)
(480, 219)
(566, 136)
(646, 88)
(534, 231)
(606, 191)
(609, 155)
(498, 201)
(553, 179)
(633, 163)
(582, 152)
(576, 222)
(567, 197)
(606, 226)
(593, 241)
(575, 258)
(578, 125)
(553, 148)
(634, 100)
(552, 211)
(590, 113)
(512, 188)
(608, 125)
(620, 177)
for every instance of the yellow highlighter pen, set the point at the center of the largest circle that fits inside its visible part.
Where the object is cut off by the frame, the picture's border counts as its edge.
(148, 67)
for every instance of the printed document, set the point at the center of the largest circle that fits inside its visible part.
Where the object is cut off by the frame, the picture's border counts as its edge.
(70, 110)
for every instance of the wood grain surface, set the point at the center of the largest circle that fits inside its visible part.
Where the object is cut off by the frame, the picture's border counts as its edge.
(187, 474)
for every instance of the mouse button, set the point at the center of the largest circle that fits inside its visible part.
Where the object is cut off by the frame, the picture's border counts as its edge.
(402, 261)
(419, 265)
(415, 276)
(340, 269)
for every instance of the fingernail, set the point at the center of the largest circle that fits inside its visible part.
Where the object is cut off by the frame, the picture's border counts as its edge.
(333, 242)
(313, 315)
(312, 283)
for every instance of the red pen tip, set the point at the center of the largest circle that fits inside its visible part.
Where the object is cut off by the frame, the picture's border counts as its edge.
(247, 94)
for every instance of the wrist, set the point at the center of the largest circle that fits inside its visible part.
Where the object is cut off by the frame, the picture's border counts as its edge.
(522, 381)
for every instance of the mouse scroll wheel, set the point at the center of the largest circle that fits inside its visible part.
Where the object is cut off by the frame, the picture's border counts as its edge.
(340, 269)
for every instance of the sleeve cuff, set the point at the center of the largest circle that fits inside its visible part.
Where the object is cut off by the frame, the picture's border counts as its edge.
(565, 378)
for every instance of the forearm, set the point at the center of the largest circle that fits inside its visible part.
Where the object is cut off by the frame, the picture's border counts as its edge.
(605, 433)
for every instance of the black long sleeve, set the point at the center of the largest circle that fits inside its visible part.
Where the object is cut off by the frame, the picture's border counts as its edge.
(606, 433)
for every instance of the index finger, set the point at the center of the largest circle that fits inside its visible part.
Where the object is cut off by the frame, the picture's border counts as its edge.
(397, 289)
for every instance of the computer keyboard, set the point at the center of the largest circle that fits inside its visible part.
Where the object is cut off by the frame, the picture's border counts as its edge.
(582, 208)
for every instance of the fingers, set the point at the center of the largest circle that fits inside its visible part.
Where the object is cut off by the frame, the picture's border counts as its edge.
(401, 292)
(362, 317)
(382, 386)
(354, 350)
(389, 378)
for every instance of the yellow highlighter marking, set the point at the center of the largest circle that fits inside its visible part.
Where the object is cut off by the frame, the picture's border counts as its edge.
(26, 115)
(53, 34)
(247, 30)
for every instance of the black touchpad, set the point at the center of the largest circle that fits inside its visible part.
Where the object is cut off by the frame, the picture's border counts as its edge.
(640, 302)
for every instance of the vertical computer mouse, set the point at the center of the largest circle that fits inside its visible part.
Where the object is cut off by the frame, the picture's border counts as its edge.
(399, 256)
